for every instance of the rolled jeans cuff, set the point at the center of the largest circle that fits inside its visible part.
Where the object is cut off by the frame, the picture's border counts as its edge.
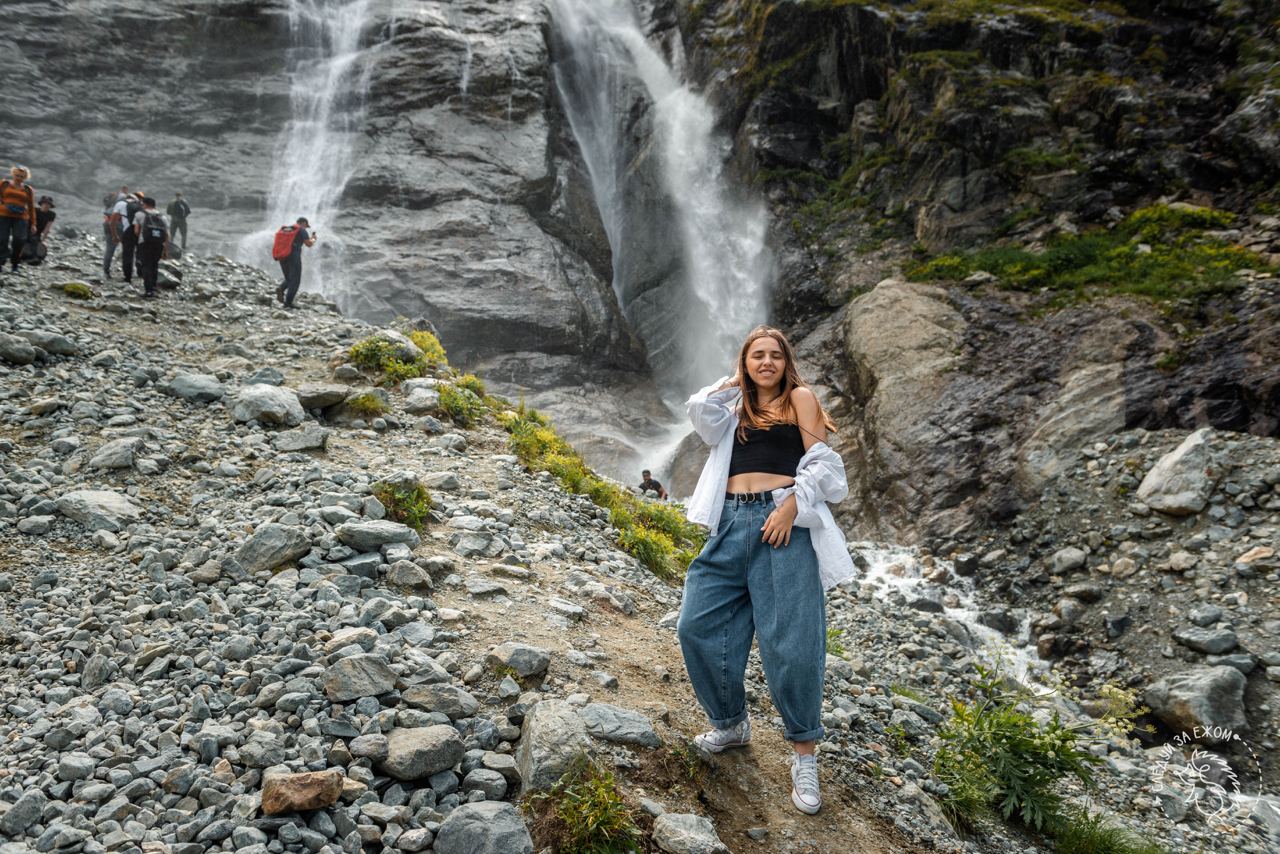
(807, 735)
(730, 723)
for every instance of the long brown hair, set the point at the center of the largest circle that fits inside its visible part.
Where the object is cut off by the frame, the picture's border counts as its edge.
(752, 415)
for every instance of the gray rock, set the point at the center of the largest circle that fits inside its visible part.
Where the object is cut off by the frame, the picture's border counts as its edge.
(445, 481)
(488, 827)
(683, 833)
(372, 535)
(308, 437)
(99, 509)
(616, 724)
(356, 676)
(493, 784)
(1211, 641)
(1180, 483)
(75, 766)
(321, 395)
(116, 454)
(415, 753)
(406, 573)
(271, 545)
(1068, 560)
(268, 404)
(1201, 702)
(15, 350)
(24, 813)
(525, 660)
(552, 738)
(445, 699)
(51, 342)
(198, 388)
(422, 400)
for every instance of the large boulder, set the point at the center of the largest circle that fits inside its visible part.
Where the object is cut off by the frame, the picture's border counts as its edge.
(415, 753)
(487, 827)
(551, 740)
(372, 534)
(1180, 483)
(1202, 702)
(271, 545)
(51, 342)
(357, 676)
(198, 388)
(99, 509)
(268, 404)
(683, 833)
(285, 793)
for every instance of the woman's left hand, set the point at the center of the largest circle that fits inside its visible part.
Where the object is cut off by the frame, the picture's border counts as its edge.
(777, 528)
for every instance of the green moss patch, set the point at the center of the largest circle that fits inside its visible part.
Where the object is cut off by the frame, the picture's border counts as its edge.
(1161, 252)
(77, 290)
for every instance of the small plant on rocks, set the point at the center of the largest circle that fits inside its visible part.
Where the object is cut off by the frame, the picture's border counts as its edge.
(432, 349)
(1082, 832)
(471, 383)
(77, 290)
(462, 405)
(409, 505)
(367, 405)
(585, 812)
(834, 647)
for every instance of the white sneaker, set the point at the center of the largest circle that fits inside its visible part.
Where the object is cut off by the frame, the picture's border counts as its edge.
(717, 740)
(804, 784)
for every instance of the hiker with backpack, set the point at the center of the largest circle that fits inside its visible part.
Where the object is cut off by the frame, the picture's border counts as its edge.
(35, 250)
(125, 213)
(178, 211)
(287, 249)
(111, 225)
(152, 237)
(17, 214)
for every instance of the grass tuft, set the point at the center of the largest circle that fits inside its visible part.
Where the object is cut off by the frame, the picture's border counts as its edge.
(585, 813)
(367, 405)
(834, 647)
(380, 355)
(408, 505)
(1080, 832)
(462, 405)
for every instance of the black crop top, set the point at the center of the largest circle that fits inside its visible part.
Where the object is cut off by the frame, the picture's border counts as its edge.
(775, 450)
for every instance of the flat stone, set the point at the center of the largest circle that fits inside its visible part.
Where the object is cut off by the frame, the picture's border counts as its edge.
(371, 535)
(618, 725)
(415, 753)
(272, 545)
(683, 833)
(357, 676)
(197, 388)
(524, 659)
(1180, 483)
(445, 699)
(268, 404)
(308, 437)
(284, 793)
(1210, 641)
(99, 509)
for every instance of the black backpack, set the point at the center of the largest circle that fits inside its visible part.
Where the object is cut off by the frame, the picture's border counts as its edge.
(154, 231)
(132, 208)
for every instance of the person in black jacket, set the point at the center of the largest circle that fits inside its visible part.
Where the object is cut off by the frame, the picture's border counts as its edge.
(291, 267)
(178, 211)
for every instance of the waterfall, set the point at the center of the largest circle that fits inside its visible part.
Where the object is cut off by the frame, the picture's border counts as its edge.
(312, 160)
(693, 315)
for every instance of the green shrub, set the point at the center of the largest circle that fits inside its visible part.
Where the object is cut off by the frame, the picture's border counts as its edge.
(461, 405)
(409, 505)
(995, 754)
(367, 405)
(585, 813)
(471, 383)
(432, 349)
(77, 290)
(1160, 252)
(656, 534)
(372, 353)
(1080, 832)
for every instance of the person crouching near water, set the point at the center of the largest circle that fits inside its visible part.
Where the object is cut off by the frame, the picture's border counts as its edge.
(773, 552)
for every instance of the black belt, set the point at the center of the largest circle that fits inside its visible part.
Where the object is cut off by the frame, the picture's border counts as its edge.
(748, 497)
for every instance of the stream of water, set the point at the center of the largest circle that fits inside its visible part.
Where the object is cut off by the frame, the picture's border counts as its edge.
(313, 157)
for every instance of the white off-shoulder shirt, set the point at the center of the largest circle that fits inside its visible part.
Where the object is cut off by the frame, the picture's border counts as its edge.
(820, 478)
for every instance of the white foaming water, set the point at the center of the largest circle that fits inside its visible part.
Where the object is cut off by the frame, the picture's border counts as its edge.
(899, 569)
(313, 151)
(727, 267)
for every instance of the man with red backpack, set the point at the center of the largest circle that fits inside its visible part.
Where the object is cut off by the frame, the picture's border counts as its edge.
(287, 249)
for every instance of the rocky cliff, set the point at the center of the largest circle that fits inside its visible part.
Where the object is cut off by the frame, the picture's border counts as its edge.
(467, 202)
(890, 136)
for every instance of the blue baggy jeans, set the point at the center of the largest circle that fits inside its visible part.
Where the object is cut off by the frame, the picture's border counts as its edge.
(740, 586)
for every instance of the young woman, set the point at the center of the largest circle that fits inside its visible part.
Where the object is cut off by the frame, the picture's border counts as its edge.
(774, 550)
(17, 214)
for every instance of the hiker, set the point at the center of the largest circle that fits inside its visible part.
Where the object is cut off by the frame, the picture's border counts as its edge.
(125, 212)
(288, 251)
(774, 549)
(36, 248)
(178, 211)
(152, 236)
(648, 484)
(17, 214)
